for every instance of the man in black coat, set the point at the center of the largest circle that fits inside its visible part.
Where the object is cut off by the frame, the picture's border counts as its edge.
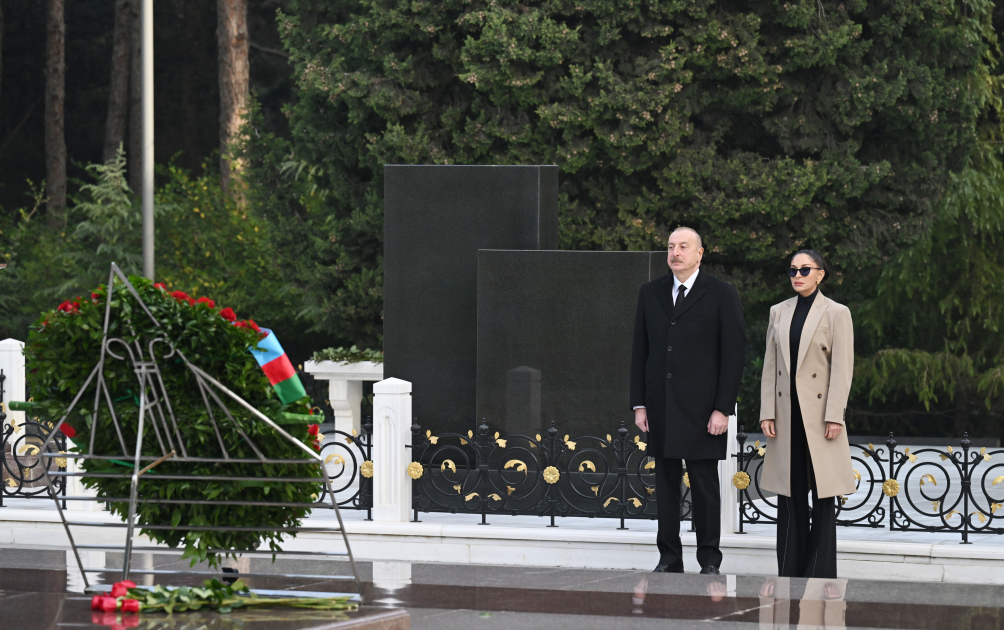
(686, 365)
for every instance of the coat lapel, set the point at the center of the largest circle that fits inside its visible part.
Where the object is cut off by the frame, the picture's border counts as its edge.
(691, 297)
(784, 330)
(665, 293)
(811, 322)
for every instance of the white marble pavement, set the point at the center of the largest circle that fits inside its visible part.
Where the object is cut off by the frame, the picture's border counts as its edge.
(576, 542)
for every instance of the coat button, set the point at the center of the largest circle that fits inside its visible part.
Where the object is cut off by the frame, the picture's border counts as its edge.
(779, 394)
(669, 375)
(819, 395)
(673, 323)
(813, 376)
(824, 348)
(779, 372)
(670, 349)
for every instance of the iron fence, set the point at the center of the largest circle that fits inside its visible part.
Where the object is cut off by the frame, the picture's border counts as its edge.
(547, 476)
(929, 490)
(349, 462)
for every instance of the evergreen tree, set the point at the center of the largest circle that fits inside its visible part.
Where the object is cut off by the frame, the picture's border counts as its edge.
(768, 126)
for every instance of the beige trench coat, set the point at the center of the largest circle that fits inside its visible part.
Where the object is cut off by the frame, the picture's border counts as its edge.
(824, 368)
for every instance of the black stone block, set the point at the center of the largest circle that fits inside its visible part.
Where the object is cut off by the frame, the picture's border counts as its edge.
(568, 316)
(436, 218)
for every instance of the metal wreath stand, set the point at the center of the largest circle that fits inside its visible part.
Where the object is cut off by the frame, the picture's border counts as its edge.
(155, 408)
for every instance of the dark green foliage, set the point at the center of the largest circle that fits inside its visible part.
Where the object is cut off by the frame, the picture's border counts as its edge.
(348, 355)
(63, 348)
(769, 126)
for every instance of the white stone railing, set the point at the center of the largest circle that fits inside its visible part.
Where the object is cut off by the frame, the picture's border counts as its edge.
(345, 388)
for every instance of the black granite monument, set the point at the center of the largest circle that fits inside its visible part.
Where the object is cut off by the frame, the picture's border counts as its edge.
(436, 218)
(554, 338)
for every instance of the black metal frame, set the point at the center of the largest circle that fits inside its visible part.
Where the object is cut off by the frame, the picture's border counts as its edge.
(898, 477)
(355, 451)
(491, 474)
(25, 465)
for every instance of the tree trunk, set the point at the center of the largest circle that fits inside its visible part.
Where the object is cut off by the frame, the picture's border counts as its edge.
(234, 69)
(135, 151)
(118, 87)
(1, 43)
(55, 94)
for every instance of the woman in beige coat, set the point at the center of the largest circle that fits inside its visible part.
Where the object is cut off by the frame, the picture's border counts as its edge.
(807, 373)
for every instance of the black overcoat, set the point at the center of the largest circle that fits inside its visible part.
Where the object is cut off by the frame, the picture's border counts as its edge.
(686, 362)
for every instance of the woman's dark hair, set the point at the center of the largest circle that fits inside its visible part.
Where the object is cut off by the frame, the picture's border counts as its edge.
(818, 259)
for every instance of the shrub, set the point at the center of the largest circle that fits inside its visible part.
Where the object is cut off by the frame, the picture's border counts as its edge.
(63, 347)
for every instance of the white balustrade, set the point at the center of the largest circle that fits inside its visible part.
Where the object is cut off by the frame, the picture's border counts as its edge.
(391, 437)
(345, 388)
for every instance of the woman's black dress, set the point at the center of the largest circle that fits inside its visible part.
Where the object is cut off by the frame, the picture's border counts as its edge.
(804, 549)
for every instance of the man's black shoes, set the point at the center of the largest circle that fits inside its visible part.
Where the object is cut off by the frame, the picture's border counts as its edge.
(710, 570)
(665, 568)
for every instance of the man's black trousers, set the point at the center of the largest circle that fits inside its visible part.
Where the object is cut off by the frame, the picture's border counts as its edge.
(706, 500)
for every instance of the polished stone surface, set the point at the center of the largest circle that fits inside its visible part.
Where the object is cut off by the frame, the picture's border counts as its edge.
(569, 316)
(436, 218)
(443, 597)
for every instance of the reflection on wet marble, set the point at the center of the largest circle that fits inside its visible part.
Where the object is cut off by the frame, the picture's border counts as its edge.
(442, 597)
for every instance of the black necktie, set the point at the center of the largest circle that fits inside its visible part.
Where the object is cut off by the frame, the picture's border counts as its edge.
(679, 294)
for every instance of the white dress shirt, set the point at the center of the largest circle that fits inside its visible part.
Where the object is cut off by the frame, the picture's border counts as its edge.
(689, 283)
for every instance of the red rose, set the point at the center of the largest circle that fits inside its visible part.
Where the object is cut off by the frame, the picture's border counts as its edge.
(191, 301)
(94, 295)
(228, 314)
(130, 606)
(254, 326)
(69, 307)
(179, 295)
(67, 430)
(119, 591)
(313, 429)
(96, 602)
(160, 285)
(127, 583)
(205, 300)
(109, 604)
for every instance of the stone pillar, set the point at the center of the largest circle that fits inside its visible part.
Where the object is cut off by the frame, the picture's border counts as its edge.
(345, 398)
(391, 434)
(12, 364)
(726, 470)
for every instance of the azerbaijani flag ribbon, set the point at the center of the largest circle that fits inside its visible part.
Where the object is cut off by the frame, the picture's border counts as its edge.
(277, 367)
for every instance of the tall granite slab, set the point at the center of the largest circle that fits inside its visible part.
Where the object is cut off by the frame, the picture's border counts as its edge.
(565, 319)
(436, 218)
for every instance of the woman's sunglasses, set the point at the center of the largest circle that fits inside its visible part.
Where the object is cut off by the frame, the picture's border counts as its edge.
(803, 270)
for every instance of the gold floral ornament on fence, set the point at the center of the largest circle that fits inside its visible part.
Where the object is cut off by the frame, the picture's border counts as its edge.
(366, 469)
(686, 479)
(415, 470)
(551, 475)
(61, 461)
(741, 480)
(890, 488)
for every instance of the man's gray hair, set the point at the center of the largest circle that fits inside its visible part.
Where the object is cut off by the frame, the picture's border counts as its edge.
(700, 241)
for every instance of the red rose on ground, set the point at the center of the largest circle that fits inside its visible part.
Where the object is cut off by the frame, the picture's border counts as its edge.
(109, 604)
(96, 602)
(121, 589)
(228, 314)
(68, 431)
(130, 606)
(160, 285)
(205, 300)
(179, 295)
